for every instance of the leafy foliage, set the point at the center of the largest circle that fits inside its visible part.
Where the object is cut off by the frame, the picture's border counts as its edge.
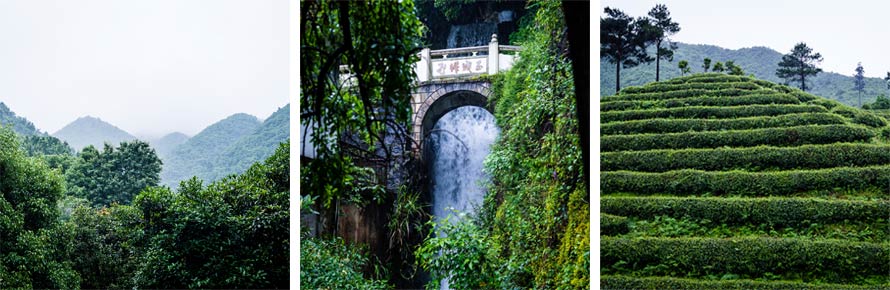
(114, 176)
(623, 41)
(33, 253)
(232, 233)
(34, 145)
(377, 43)
(333, 264)
(797, 65)
(533, 228)
(662, 27)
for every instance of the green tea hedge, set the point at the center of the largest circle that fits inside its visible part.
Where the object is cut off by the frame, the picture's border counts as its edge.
(808, 156)
(833, 261)
(788, 136)
(613, 225)
(685, 94)
(705, 112)
(628, 282)
(668, 87)
(780, 183)
(775, 98)
(777, 211)
(685, 125)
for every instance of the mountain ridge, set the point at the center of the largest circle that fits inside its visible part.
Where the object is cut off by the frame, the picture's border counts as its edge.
(89, 130)
(759, 61)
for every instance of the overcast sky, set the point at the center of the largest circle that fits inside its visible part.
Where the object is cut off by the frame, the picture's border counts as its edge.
(150, 67)
(844, 32)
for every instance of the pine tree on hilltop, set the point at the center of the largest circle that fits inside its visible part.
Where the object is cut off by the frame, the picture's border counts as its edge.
(797, 65)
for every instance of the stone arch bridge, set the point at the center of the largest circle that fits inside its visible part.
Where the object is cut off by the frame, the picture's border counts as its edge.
(448, 79)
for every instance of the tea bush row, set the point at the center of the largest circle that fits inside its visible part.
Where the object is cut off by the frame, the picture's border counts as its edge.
(685, 125)
(778, 183)
(833, 261)
(808, 156)
(706, 112)
(685, 94)
(774, 211)
(701, 101)
(629, 282)
(668, 87)
(788, 136)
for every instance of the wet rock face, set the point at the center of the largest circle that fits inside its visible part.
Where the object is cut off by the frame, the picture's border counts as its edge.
(474, 34)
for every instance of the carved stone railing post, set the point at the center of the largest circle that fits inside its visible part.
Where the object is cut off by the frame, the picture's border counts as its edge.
(425, 67)
(493, 55)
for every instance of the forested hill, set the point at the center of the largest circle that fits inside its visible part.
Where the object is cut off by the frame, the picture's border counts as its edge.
(19, 125)
(258, 145)
(762, 62)
(227, 147)
(91, 131)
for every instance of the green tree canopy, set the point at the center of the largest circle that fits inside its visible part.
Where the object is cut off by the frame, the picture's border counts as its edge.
(799, 64)
(376, 42)
(32, 247)
(859, 81)
(108, 176)
(662, 28)
(623, 41)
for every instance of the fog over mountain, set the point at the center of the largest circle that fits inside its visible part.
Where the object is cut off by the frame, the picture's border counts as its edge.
(148, 67)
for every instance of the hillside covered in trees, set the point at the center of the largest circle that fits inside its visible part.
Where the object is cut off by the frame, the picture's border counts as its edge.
(759, 61)
(713, 181)
(98, 219)
(226, 147)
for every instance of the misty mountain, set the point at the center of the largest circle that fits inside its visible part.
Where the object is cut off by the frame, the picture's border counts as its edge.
(164, 145)
(89, 130)
(761, 62)
(202, 154)
(19, 125)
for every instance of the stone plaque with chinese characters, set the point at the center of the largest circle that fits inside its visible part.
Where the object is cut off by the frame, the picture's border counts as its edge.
(459, 66)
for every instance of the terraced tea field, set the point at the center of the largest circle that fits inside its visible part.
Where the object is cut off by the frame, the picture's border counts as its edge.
(713, 181)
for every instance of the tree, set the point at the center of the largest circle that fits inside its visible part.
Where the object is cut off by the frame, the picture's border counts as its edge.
(114, 175)
(859, 81)
(707, 64)
(797, 65)
(718, 67)
(684, 67)
(734, 69)
(232, 233)
(623, 41)
(33, 245)
(663, 27)
(881, 103)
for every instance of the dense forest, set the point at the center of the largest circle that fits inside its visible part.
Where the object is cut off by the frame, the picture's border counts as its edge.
(761, 62)
(532, 231)
(100, 219)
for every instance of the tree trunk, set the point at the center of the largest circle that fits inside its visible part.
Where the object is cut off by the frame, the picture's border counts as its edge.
(657, 60)
(618, 77)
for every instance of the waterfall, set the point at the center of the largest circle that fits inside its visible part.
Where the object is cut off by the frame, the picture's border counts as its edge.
(457, 145)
